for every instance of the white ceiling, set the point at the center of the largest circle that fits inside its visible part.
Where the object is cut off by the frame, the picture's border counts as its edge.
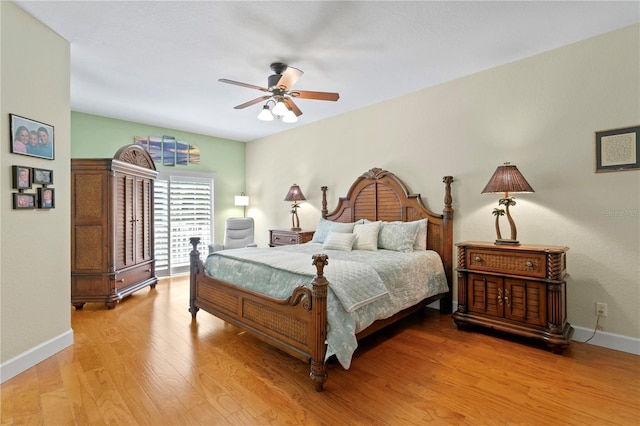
(158, 62)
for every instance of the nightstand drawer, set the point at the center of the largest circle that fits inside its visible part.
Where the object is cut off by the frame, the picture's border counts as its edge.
(520, 263)
(285, 237)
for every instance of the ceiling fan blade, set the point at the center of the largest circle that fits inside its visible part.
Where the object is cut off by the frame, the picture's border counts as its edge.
(248, 86)
(293, 107)
(289, 78)
(322, 96)
(253, 102)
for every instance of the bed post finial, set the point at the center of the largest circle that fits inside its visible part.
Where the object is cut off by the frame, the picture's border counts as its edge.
(448, 211)
(318, 373)
(195, 259)
(325, 212)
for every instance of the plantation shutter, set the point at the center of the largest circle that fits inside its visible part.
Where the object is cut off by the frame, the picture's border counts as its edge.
(183, 209)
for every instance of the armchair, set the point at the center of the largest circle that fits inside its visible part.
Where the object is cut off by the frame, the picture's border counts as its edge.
(238, 233)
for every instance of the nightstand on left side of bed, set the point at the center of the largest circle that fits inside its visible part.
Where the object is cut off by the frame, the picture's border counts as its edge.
(284, 237)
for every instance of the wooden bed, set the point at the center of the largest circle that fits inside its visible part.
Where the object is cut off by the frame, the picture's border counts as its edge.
(297, 325)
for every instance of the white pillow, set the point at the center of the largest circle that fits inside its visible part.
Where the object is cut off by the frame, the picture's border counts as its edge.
(339, 241)
(421, 238)
(366, 236)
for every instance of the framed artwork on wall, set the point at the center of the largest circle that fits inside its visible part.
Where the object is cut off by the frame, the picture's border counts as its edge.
(31, 137)
(618, 149)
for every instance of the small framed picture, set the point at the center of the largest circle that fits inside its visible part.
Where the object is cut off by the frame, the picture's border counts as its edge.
(22, 177)
(24, 201)
(42, 176)
(618, 149)
(46, 198)
(30, 137)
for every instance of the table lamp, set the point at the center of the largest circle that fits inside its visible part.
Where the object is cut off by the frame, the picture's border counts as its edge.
(508, 179)
(295, 194)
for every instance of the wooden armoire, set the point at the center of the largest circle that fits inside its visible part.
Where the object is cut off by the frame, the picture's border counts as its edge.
(112, 252)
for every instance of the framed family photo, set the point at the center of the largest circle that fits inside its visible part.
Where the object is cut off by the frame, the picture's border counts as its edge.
(46, 198)
(21, 177)
(31, 137)
(24, 201)
(42, 176)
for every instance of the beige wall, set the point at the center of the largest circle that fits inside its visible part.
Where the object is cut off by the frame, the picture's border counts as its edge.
(540, 114)
(35, 246)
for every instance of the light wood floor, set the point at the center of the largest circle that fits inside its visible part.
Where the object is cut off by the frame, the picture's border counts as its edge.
(146, 362)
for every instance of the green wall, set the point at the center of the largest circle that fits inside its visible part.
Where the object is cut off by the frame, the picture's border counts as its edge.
(93, 136)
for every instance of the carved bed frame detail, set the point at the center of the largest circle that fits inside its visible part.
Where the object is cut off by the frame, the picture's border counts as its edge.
(297, 325)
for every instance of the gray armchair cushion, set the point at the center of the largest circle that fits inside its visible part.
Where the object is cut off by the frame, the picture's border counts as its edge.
(238, 233)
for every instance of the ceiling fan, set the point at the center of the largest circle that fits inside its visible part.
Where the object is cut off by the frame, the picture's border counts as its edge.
(280, 94)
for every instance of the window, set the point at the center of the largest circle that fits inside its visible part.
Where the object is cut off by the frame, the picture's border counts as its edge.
(183, 208)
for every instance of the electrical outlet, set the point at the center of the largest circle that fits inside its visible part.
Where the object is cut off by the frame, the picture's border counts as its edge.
(601, 309)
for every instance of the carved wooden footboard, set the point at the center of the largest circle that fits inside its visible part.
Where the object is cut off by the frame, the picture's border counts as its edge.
(297, 325)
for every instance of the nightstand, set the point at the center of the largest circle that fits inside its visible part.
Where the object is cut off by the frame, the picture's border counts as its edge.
(518, 289)
(284, 237)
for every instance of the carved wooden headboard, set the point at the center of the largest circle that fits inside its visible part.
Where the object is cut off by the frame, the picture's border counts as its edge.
(380, 195)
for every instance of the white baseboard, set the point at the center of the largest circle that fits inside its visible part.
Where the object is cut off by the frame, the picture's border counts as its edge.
(617, 342)
(613, 341)
(35, 355)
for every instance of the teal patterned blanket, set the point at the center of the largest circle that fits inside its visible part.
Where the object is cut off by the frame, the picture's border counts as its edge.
(355, 284)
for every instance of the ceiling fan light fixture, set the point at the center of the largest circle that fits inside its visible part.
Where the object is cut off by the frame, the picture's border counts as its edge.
(280, 108)
(265, 114)
(289, 117)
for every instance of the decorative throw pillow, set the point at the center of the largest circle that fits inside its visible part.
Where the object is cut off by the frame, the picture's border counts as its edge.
(339, 241)
(366, 236)
(321, 231)
(398, 236)
(421, 237)
(342, 227)
(325, 226)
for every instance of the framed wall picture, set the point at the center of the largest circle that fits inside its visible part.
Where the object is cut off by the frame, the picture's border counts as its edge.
(46, 198)
(24, 201)
(31, 137)
(618, 149)
(22, 177)
(42, 176)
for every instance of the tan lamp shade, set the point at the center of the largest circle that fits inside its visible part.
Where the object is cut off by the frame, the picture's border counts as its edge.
(507, 178)
(294, 194)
